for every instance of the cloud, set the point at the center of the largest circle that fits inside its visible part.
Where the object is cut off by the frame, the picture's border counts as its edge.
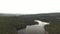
(29, 6)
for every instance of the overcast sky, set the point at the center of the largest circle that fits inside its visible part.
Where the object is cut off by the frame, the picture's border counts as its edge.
(29, 6)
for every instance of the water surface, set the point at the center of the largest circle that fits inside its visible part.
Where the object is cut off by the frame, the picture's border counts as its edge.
(34, 29)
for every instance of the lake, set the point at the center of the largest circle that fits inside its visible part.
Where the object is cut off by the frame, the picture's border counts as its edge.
(34, 29)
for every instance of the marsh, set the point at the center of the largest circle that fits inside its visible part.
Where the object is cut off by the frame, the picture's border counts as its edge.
(30, 24)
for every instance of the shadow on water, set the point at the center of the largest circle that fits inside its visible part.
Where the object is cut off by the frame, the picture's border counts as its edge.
(24, 26)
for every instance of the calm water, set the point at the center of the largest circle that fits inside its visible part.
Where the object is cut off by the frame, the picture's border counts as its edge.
(34, 29)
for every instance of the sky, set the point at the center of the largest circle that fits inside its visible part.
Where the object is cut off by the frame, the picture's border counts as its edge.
(29, 6)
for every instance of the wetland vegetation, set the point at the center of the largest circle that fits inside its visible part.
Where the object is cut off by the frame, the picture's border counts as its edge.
(9, 24)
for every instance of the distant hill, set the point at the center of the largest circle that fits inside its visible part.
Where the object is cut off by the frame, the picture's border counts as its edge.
(43, 14)
(10, 14)
(43, 17)
(46, 16)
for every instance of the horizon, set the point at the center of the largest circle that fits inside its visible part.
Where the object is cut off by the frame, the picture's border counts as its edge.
(28, 14)
(31, 13)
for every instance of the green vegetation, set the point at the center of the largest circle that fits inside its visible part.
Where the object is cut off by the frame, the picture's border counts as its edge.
(9, 24)
(53, 28)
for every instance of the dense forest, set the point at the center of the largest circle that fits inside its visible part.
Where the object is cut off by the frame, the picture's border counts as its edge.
(9, 24)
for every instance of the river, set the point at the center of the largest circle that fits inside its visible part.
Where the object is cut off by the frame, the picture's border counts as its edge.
(34, 29)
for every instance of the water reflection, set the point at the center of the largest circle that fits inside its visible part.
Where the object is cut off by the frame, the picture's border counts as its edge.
(34, 29)
(41, 23)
